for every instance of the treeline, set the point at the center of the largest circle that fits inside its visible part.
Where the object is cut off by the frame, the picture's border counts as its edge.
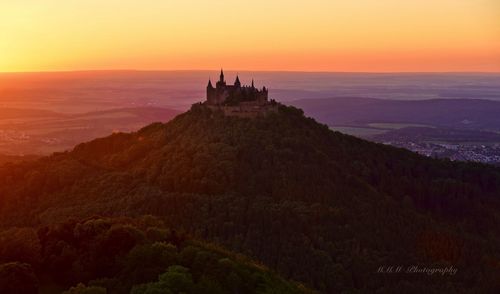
(102, 255)
(317, 206)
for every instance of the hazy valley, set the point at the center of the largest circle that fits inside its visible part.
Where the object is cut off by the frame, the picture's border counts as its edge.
(432, 114)
(459, 129)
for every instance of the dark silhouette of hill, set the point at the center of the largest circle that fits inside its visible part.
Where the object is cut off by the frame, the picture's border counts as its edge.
(456, 113)
(317, 206)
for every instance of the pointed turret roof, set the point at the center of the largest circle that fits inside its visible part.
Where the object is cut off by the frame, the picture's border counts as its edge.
(237, 82)
(209, 84)
(221, 75)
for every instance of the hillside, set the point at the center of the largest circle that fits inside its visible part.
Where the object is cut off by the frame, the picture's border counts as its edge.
(317, 206)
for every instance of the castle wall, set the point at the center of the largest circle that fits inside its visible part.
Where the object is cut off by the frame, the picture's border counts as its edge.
(221, 92)
(245, 109)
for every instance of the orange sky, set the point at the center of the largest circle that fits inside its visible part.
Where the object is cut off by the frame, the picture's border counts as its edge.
(313, 35)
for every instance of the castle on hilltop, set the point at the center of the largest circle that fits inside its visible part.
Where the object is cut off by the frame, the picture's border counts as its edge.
(224, 94)
(238, 100)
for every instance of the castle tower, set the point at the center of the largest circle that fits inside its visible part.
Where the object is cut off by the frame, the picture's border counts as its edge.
(221, 76)
(237, 83)
(221, 83)
(210, 92)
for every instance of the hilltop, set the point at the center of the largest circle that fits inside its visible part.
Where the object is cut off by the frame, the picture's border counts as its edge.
(317, 206)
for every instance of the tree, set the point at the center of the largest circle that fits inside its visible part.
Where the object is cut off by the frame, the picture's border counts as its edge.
(82, 289)
(17, 278)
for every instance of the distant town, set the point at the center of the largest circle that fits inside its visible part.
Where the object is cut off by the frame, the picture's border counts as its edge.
(432, 141)
(464, 152)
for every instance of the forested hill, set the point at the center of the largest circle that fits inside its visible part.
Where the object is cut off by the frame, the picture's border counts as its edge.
(317, 206)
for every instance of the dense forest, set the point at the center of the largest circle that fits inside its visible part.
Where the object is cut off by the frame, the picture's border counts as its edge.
(125, 256)
(312, 205)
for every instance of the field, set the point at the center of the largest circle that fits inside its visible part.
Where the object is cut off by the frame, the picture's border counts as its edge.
(396, 126)
(358, 131)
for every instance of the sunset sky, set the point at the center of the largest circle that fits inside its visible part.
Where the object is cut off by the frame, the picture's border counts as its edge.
(313, 35)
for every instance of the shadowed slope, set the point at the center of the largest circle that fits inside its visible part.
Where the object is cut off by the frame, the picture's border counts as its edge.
(317, 206)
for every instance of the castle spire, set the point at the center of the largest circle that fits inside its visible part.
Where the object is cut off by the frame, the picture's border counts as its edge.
(237, 82)
(221, 75)
(209, 83)
(252, 84)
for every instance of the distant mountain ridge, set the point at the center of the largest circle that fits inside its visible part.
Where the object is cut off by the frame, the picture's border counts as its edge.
(26, 113)
(457, 113)
(15, 159)
(317, 206)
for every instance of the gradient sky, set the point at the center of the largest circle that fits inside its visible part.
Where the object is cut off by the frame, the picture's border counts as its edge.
(312, 35)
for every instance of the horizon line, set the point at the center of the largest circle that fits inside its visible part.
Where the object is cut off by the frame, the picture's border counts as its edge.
(245, 70)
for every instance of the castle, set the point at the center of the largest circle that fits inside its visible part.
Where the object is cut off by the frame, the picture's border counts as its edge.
(238, 100)
(224, 94)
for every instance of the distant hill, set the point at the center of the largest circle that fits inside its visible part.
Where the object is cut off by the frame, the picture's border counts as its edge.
(439, 134)
(326, 209)
(452, 113)
(16, 159)
(39, 132)
(20, 113)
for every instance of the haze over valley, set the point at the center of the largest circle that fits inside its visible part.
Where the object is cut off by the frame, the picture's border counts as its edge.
(41, 113)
